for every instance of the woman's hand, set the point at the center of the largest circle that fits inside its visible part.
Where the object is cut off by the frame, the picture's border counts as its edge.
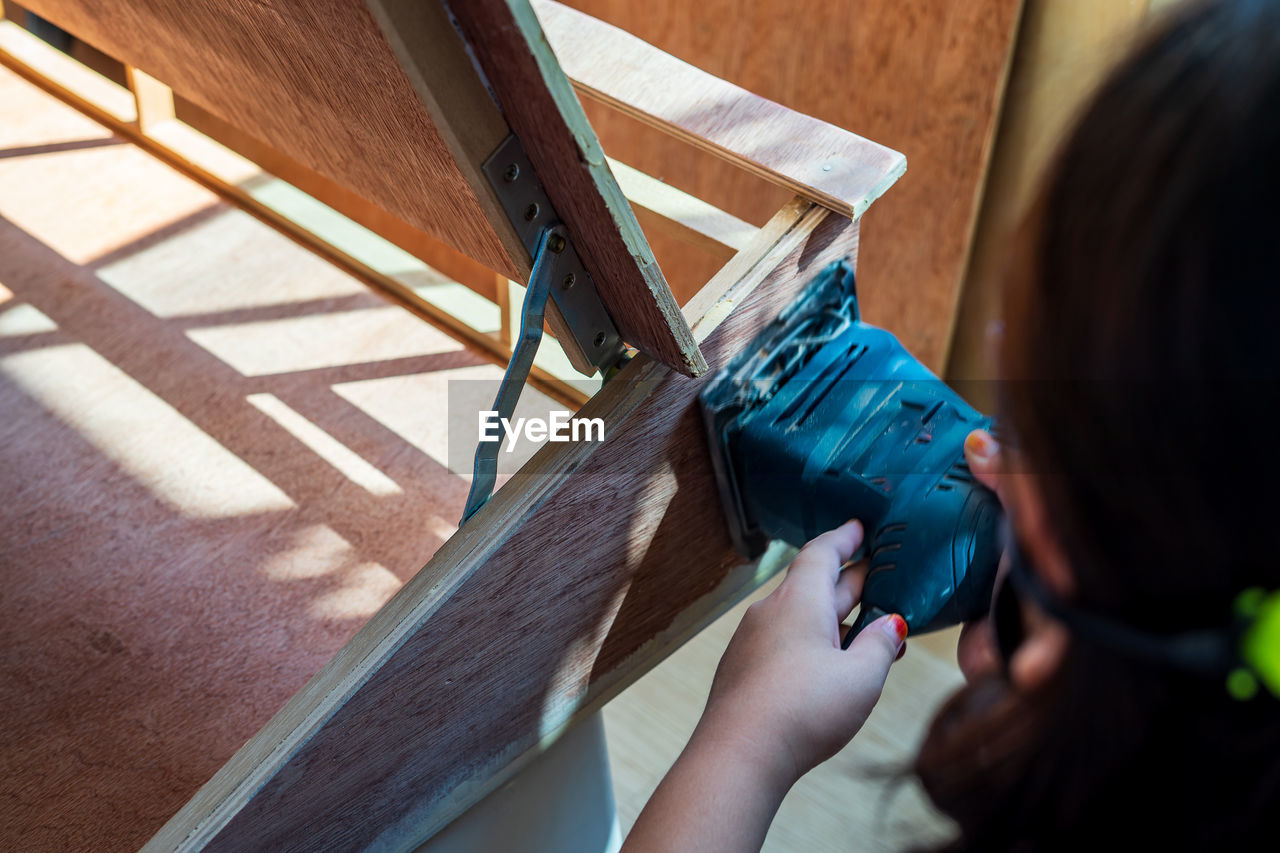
(785, 691)
(785, 698)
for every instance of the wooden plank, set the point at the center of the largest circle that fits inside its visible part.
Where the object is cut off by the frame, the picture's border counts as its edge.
(810, 157)
(506, 635)
(924, 77)
(538, 102)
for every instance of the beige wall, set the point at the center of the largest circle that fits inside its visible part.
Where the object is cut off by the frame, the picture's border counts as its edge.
(1064, 47)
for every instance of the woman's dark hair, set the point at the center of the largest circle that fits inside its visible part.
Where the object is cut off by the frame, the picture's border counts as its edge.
(1141, 365)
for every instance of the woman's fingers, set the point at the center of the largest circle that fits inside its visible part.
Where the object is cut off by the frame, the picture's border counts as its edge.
(982, 452)
(849, 589)
(870, 655)
(818, 564)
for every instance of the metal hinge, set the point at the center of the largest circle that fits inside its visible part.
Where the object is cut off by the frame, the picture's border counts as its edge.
(575, 313)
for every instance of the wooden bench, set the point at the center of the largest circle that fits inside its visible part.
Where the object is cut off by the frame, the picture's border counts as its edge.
(597, 559)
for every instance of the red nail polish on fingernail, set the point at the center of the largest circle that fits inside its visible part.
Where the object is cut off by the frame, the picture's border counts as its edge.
(899, 625)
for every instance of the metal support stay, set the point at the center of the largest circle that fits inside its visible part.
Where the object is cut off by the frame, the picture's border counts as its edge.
(550, 248)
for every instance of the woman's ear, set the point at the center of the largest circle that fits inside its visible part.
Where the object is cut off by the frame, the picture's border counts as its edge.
(1040, 654)
(1036, 533)
(1046, 639)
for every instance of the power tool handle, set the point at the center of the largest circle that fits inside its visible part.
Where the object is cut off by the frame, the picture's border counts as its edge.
(866, 616)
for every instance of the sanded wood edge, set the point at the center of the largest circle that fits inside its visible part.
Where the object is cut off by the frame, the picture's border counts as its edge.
(842, 171)
(232, 787)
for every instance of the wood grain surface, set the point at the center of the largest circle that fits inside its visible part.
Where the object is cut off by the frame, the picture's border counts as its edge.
(807, 156)
(924, 77)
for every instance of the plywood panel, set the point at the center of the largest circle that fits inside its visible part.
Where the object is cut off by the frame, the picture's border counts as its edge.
(286, 74)
(1063, 50)
(923, 77)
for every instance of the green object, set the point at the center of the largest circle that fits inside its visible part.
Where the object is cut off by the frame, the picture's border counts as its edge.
(1260, 646)
(1242, 684)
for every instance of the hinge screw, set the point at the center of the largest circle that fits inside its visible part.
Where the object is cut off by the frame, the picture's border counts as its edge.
(531, 212)
(513, 172)
(556, 243)
(568, 281)
(599, 341)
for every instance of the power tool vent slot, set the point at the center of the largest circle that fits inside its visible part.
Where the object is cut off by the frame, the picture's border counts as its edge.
(818, 388)
(887, 546)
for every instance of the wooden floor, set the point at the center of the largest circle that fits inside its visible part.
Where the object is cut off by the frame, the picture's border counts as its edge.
(218, 456)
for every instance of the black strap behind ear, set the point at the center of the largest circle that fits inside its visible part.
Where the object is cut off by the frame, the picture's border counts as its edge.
(1208, 652)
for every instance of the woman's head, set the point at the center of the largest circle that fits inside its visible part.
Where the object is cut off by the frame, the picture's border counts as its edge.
(1141, 373)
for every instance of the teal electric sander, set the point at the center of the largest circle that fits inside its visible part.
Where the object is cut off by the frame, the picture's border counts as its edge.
(824, 418)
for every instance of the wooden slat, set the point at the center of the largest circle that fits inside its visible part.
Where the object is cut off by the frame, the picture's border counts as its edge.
(509, 633)
(814, 159)
(154, 99)
(538, 102)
